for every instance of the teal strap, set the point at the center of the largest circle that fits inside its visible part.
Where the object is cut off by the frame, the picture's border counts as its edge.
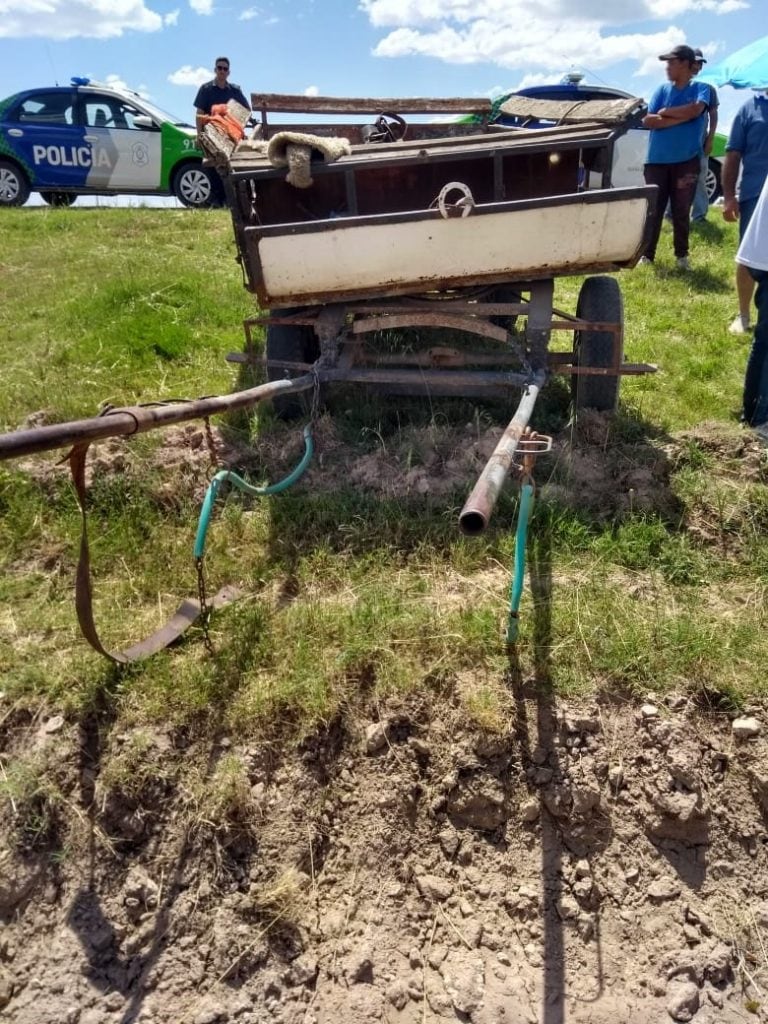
(246, 488)
(518, 571)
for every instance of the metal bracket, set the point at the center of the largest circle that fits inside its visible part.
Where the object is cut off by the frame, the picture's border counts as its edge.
(329, 325)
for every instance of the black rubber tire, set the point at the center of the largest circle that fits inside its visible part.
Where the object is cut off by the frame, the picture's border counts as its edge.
(196, 187)
(59, 198)
(600, 301)
(714, 184)
(505, 293)
(294, 344)
(14, 186)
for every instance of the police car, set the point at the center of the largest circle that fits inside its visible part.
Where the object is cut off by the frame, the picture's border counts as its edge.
(91, 139)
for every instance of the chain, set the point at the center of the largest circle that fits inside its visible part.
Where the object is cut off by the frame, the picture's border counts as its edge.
(314, 411)
(205, 609)
(210, 443)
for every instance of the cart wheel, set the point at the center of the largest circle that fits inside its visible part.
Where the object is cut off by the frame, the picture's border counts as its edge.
(505, 293)
(293, 344)
(600, 301)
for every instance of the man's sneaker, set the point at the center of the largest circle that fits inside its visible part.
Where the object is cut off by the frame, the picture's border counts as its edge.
(761, 430)
(683, 263)
(644, 260)
(740, 325)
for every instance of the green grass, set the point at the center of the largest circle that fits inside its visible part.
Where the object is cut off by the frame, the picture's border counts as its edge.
(350, 598)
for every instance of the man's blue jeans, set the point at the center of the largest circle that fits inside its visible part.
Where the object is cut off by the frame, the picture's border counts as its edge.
(756, 378)
(701, 200)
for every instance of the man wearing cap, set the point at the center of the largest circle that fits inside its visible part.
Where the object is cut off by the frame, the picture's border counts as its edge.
(700, 207)
(676, 118)
(747, 149)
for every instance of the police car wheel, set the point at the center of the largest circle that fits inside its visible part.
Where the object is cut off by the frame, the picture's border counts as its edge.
(713, 183)
(192, 186)
(14, 187)
(59, 198)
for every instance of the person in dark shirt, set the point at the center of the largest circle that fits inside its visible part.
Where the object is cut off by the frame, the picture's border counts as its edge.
(218, 90)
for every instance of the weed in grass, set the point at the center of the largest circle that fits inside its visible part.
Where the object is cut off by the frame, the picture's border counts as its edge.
(35, 800)
(488, 708)
(225, 800)
(282, 897)
(130, 768)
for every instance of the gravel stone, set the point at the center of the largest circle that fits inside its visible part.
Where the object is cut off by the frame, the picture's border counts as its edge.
(663, 889)
(376, 736)
(683, 1003)
(746, 728)
(433, 888)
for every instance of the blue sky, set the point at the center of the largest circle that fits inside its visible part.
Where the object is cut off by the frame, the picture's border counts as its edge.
(164, 49)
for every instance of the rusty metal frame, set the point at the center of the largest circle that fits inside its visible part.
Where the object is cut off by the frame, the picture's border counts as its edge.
(363, 365)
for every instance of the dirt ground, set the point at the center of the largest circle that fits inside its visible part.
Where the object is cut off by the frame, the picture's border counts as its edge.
(593, 863)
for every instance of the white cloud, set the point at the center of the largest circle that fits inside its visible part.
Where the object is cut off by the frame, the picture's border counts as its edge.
(534, 78)
(187, 75)
(547, 35)
(68, 19)
(415, 13)
(533, 44)
(312, 90)
(201, 6)
(116, 82)
(249, 13)
(171, 18)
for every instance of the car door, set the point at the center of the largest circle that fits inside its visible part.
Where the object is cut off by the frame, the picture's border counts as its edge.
(43, 132)
(125, 155)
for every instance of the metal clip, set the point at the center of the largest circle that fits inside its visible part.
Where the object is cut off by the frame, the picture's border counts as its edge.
(530, 446)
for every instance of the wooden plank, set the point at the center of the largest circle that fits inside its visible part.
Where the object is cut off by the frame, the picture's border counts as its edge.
(573, 111)
(520, 140)
(286, 103)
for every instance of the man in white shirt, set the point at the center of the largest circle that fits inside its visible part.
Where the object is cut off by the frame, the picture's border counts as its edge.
(753, 254)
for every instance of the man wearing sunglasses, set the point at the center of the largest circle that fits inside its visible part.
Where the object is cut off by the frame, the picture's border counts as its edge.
(218, 90)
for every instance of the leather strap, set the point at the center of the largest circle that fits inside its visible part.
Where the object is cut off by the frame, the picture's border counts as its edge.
(187, 612)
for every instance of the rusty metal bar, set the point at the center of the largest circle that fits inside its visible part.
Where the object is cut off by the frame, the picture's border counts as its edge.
(558, 362)
(137, 419)
(470, 325)
(624, 370)
(446, 310)
(477, 510)
(438, 378)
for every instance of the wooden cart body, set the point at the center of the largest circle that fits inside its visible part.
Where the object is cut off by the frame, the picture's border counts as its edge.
(369, 225)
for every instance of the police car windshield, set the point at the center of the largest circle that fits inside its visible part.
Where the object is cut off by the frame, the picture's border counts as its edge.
(161, 115)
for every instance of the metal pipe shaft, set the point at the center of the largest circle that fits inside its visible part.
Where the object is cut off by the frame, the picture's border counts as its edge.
(477, 510)
(137, 419)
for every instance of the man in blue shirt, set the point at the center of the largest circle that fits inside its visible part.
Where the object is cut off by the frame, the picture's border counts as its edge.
(747, 149)
(218, 90)
(676, 117)
(700, 207)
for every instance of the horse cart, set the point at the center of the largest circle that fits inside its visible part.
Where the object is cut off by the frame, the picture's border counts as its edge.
(347, 232)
